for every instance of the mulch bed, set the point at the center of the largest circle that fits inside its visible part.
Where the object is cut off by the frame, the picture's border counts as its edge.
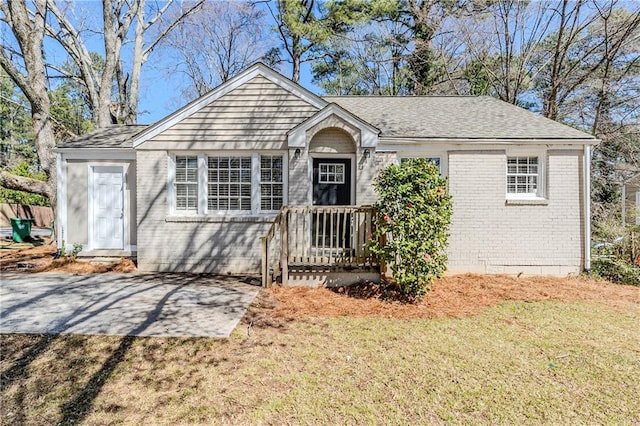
(41, 259)
(454, 296)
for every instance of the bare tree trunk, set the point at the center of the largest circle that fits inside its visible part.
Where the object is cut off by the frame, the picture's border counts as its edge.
(569, 28)
(29, 32)
(112, 55)
(132, 97)
(295, 73)
(129, 84)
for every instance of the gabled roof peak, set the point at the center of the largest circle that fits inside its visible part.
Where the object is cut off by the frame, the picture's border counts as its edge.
(255, 70)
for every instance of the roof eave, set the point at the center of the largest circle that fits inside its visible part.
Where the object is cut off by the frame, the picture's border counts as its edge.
(490, 141)
(95, 152)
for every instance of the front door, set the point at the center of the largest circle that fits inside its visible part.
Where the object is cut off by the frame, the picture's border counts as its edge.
(331, 181)
(331, 187)
(108, 208)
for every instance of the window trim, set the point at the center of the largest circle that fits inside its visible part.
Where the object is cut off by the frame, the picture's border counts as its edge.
(541, 190)
(203, 186)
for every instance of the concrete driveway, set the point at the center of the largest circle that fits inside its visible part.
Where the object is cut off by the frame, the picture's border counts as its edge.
(160, 305)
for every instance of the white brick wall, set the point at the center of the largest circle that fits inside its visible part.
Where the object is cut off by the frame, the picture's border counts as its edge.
(188, 246)
(366, 173)
(298, 178)
(487, 235)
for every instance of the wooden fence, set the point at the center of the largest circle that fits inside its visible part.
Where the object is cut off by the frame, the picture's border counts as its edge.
(42, 215)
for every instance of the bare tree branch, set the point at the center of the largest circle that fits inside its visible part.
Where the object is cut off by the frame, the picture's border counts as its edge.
(170, 28)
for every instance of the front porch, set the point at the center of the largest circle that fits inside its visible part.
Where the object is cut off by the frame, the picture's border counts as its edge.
(319, 242)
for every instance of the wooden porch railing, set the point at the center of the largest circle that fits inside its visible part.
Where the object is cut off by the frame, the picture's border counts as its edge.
(329, 237)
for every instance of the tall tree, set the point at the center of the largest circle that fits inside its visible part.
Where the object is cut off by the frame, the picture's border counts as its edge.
(500, 46)
(231, 35)
(423, 18)
(368, 60)
(16, 130)
(395, 49)
(305, 25)
(119, 17)
(22, 57)
(26, 67)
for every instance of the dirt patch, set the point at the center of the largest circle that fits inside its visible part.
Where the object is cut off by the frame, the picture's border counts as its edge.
(41, 259)
(455, 296)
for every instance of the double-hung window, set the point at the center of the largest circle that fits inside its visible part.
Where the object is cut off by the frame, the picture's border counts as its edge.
(219, 184)
(186, 175)
(229, 183)
(525, 177)
(271, 182)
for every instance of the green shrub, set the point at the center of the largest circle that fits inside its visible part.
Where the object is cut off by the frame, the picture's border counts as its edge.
(616, 270)
(412, 226)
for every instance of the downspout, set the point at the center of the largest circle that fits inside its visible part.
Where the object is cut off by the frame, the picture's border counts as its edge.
(587, 209)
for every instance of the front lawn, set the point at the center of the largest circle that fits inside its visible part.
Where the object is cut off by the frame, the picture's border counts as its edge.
(527, 360)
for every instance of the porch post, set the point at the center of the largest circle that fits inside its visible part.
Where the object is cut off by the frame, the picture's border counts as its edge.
(265, 261)
(284, 241)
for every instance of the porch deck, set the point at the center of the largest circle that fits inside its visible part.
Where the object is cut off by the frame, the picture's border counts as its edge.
(318, 238)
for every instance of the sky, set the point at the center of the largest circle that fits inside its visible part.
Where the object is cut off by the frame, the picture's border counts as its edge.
(160, 92)
(160, 89)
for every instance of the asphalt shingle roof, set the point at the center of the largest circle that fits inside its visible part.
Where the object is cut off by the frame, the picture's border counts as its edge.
(116, 136)
(453, 117)
(435, 117)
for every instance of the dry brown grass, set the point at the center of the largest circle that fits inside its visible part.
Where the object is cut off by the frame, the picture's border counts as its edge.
(540, 351)
(455, 296)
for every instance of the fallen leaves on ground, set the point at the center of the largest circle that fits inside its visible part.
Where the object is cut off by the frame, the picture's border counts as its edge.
(454, 296)
(41, 259)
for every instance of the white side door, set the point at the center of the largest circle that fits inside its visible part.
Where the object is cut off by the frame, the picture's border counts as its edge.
(108, 208)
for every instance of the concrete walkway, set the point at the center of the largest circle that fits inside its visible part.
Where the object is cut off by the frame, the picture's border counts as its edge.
(160, 305)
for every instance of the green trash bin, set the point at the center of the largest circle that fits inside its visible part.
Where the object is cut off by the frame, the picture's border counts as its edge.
(21, 229)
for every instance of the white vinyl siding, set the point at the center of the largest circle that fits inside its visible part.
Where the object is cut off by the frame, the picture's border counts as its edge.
(229, 183)
(186, 183)
(255, 116)
(524, 177)
(271, 182)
